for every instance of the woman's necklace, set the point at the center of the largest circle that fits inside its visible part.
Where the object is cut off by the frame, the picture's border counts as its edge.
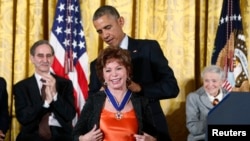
(116, 105)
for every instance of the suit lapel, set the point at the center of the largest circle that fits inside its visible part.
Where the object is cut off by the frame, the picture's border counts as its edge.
(136, 53)
(205, 100)
(133, 47)
(34, 90)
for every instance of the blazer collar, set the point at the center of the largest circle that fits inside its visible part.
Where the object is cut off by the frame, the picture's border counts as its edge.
(205, 99)
(133, 47)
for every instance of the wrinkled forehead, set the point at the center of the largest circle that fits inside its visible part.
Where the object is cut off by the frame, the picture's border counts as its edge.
(43, 49)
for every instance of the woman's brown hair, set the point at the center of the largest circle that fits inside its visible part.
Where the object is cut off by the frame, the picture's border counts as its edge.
(109, 54)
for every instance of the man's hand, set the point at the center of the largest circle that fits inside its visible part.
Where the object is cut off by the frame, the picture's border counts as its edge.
(134, 87)
(50, 90)
(101, 89)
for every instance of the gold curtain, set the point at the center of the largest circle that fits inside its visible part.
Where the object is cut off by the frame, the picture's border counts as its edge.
(185, 30)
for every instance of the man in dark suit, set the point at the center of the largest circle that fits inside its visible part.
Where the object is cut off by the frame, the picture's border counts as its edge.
(4, 112)
(152, 76)
(58, 100)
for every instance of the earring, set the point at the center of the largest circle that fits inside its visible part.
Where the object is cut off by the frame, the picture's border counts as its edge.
(105, 83)
(128, 81)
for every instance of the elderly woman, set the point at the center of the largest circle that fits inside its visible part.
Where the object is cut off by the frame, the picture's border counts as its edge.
(201, 101)
(115, 113)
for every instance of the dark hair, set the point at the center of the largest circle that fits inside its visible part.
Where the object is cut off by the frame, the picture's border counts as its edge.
(106, 10)
(123, 57)
(38, 43)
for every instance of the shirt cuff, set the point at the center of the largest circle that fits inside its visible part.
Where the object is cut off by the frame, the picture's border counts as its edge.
(55, 97)
(46, 104)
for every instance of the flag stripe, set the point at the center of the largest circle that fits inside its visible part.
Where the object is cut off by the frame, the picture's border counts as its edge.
(71, 59)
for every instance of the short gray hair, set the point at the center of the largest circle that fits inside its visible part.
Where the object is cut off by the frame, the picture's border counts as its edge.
(214, 69)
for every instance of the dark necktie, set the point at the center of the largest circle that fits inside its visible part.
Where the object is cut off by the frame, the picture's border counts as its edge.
(215, 102)
(44, 129)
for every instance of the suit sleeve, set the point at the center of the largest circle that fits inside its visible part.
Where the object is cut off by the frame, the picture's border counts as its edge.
(28, 103)
(195, 125)
(4, 113)
(64, 108)
(164, 84)
(94, 82)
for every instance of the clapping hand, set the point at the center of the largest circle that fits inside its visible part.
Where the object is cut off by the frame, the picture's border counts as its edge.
(50, 83)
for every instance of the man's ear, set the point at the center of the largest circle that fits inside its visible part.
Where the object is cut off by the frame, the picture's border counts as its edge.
(121, 21)
(32, 58)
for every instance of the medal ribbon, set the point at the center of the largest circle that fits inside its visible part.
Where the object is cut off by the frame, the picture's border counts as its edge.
(114, 102)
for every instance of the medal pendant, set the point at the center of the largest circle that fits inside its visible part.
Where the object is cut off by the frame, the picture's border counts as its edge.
(118, 115)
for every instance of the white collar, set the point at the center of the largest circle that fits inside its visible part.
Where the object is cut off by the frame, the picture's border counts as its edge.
(124, 43)
(219, 96)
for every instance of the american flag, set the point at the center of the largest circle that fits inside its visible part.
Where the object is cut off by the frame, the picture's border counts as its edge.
(68, 39)
(230, 50)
